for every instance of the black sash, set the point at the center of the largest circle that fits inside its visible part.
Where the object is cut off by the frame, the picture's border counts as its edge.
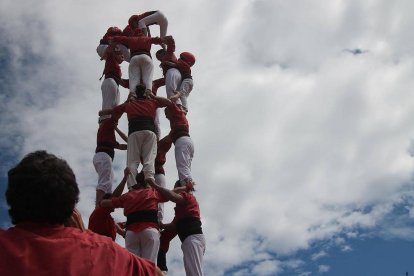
(142, 216)
(187, 227)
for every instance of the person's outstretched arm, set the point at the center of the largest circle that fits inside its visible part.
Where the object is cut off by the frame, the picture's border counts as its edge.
(168, 194)
(161, 100)
(120, 188)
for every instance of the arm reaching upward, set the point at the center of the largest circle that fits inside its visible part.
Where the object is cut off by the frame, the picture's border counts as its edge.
(120, 188)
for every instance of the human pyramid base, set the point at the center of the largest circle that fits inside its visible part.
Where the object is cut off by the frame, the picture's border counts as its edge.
(145, 233)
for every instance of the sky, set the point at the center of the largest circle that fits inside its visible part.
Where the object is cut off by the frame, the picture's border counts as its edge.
(301, 115)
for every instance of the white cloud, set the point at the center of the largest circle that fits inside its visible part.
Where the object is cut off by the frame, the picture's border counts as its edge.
(324, 268)
(318, 255)
(268, 267)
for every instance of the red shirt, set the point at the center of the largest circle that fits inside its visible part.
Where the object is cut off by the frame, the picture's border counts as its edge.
(163, 147)
(101, 222)
(39, 249)
(138, 44)
(178, 119)
(106, 133)
(112, 66)
(168, 56)
(139, 200)
(137, 108)
(128, 31)
(189, 208)
(184, 68)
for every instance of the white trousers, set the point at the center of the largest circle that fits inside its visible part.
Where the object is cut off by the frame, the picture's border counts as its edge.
(124, 50)
(157, 123)
(172, 82)
(142, 146)
(160, 180)
(110, 93)
(184, 152)
(193, 248)
(186, 87)
(155, 18)
(144, 244)
(103, 166)
(140, 70)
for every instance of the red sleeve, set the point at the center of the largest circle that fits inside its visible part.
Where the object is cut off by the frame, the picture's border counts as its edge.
(117, 111)
(161, 197)
(156, 40)
(185, 196)
(124, 83)
(121, 39)
(157, 84)
(169, 53)
(127, 31)
(117, 202)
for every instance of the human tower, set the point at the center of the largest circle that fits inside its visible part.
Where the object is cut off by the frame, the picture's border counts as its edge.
(145, 233)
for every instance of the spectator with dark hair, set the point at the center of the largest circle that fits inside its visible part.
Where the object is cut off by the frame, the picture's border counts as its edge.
(42, 193)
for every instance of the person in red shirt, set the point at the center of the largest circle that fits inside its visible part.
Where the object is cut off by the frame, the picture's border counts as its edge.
(142, 140)
(142, 21)
(187, 224)
(41, 194)
(141, 208)
(140, 69)
(172, 76)
(180, 136)
(101, 221)
(104, 43)
(104, 154)
(113, 78)
(183, 64)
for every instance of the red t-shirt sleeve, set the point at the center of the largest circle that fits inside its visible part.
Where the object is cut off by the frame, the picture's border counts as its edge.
(156, 40)
(161, 197)
(118, 202)
(118, 110)
(121, 39)
(157, 84)
(127, 31)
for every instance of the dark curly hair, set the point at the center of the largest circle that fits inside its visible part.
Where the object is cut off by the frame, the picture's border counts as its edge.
(42, 188)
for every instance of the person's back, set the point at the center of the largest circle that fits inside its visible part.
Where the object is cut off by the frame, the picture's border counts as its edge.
(42, 193)
(38, 249)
